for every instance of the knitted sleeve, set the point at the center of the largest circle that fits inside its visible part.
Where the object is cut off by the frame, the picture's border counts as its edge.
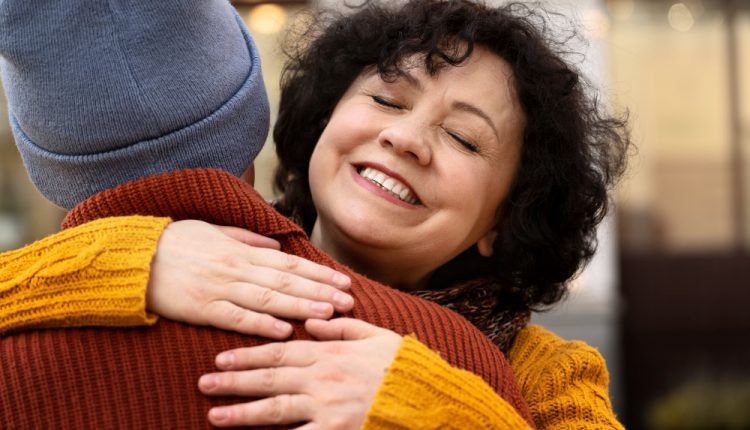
(422, 391)
(565, 383)
(92, 275)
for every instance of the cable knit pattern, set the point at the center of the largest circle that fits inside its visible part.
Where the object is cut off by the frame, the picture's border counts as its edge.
(564, 382)
(146, 378)
(422, 391)
(64, 288)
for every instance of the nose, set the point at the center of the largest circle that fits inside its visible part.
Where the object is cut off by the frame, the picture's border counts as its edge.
(408, 138)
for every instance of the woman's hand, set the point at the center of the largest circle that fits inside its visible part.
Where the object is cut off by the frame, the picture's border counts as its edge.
(326, 384)
(233, 279)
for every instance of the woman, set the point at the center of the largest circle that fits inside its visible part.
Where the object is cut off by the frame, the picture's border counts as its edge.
(529, 159)
(541, 153)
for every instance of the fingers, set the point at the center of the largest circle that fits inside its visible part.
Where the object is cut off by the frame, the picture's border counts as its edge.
(315, 384)
(283, 409)
(292, 303)
(342, 329)
(287, 286)
(228, 316)
(206, 274)
(247, 237)
(295, 353)
(285, 263)
(299, 266)
(265, 382)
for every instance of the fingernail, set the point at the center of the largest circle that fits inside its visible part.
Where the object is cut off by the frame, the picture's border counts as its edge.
(218, 414)
(320, 307)
(341, 279)
(208, 382)
(225, 360)
(342, 299)
(282, 327)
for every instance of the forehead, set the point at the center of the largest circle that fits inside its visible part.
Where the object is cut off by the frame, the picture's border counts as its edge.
(484, 80)
(483, 75)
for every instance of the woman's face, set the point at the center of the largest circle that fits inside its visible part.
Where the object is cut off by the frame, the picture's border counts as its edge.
(408, 174)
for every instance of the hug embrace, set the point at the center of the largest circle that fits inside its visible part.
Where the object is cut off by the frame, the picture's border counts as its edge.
(442, 171)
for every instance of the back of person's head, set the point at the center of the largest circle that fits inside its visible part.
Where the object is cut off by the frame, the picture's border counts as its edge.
(572, 150)
(100, 93)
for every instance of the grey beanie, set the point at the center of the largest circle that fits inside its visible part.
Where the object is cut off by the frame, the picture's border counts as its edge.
(102, 92)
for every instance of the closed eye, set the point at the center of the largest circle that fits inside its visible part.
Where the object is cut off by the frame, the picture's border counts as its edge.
(465, 143)
(383, 102)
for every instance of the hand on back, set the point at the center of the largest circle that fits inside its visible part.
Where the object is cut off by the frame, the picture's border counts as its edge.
(230, 278)
(325, 384)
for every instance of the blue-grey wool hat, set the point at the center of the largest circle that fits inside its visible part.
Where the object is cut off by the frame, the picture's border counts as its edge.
(102, 92)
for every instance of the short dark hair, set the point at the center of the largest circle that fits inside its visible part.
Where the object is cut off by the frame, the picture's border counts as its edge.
(572, 151)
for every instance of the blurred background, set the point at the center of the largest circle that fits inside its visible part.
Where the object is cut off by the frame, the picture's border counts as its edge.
(666, 298)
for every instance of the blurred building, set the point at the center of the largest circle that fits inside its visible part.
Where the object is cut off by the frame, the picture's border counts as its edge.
(666, 298)
(683, 70)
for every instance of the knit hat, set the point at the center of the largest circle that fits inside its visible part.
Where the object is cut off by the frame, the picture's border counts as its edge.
(102, 92)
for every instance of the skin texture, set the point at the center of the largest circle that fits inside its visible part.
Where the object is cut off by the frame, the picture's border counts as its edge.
(429, 132)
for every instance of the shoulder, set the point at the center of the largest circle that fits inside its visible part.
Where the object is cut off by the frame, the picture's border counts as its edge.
(561, 375)
(540, 356)
(535, 341)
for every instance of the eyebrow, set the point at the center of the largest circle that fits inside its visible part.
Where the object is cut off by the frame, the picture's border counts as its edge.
(461, 106)
(469, 108)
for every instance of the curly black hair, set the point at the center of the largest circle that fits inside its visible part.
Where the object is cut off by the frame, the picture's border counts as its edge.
(573, 151)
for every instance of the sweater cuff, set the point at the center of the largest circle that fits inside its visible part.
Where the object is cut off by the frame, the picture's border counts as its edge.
(95, 274)
(422, 391)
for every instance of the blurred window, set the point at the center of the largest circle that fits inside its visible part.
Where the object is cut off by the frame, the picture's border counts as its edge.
(670, 64)
(743, 50)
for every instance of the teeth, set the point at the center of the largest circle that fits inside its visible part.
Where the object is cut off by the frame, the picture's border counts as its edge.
(379, 176)
(389, 184)
(397, 189)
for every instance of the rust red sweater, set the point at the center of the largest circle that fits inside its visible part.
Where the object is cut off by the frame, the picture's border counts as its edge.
(146, 377)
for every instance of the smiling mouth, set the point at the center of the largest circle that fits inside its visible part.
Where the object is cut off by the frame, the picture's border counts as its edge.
(393, 186)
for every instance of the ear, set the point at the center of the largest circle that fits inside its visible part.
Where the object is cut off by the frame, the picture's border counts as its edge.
(486, 243)
(249, 174)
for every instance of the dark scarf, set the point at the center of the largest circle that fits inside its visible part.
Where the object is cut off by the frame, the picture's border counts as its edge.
(477, 301)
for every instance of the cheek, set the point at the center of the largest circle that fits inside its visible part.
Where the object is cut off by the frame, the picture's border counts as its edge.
(335, 139)
(475, 187)
(316, 169)
(322, 153)
(479, 199)
(325, 164)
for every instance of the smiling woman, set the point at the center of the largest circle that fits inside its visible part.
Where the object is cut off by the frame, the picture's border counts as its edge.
(445, 57)
(502, 147)
(434, 138)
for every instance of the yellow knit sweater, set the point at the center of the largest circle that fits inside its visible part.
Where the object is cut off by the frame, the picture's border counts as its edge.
(96, 275)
